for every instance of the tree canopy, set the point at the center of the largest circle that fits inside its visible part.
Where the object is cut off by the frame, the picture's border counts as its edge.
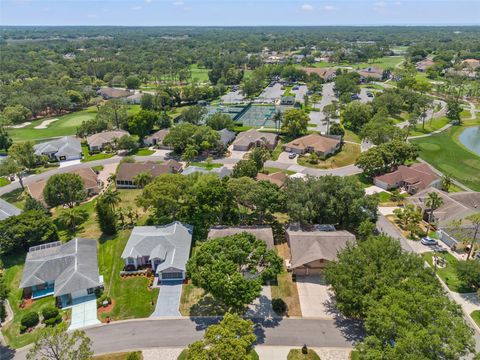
(64, 189)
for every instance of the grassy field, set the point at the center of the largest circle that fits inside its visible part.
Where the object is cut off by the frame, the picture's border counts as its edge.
(272, 170)
(206, 165)
(476, 316)
(15, 197)
(383, 63)
(65, 125)
(448, 274)
(430, 126)
(446, 154)
(296, 354)
(4, 181)
(199, 74)
(347, 156)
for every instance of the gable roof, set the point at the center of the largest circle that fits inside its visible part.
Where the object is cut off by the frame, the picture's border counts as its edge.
(455, 206)
(114, 93)
(278, 178)
(72, 266)
(170, 243)
(315, 141)
(221, 171)
(264, 233)
(127, 171)
(7, 210)
(251, 136)
(65, 146)
(226, 136)
(324, 73)
(158, 135)
(371, 72)
(308, 246)
(105, 137)
(421, 175)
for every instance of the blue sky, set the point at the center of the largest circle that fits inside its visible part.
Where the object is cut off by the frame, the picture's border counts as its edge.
(237, 12)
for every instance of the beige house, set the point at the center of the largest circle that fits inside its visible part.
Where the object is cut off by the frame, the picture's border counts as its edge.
(127, 171)
(311, 250)
(156, 139)
(326, 74)
(250, 138)
(97, 142)
(413, 178)
(319, 144)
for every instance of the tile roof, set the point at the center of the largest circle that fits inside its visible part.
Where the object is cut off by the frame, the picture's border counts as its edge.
(170, 243)
(72, 266)
(264, 233)
(324, 73)
(127, 171)
(158, 135)
(226, 136)
(114, 93)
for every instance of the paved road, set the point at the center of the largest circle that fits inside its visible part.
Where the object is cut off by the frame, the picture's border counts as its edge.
(317, 117)
(144, 334)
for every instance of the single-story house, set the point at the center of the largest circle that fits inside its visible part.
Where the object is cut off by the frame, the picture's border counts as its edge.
(453, 235)
(278, 178)
(250, 138)
(226, 136)
(156, 139)
(91, 183)
(134, 99)
(327, 74)
(127, 171)
(413, 178)
(65, 270)
(455, 206)
(264, 233)
(220, 171)
(7, 210)
(65, 148)
(113, 93)
(471, 63)
(423, 65)
(165, 249)
(312, 250)
(96, 142)
(371, 73)
(319, 144)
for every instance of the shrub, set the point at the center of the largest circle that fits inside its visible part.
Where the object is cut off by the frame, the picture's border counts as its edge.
(30, 319)
(102, 298)
(53, 321)
(49, 313)
(133, 356)
(279, 306)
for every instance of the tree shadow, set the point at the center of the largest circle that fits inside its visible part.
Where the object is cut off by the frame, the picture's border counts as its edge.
(352, 329)
(6, 353)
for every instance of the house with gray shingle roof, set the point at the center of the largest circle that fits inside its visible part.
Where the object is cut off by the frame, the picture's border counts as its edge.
(65, 270)
(65, 148)
(226, 136)
(220, 171)
(165, 249)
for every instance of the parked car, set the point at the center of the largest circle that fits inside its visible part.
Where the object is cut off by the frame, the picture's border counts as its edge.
(438, 248)
(355, 97)
(295, 87)
(292, 155)
(369, 94)
(429, 241)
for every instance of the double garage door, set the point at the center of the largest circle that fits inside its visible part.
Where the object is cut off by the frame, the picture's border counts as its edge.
(178, 275)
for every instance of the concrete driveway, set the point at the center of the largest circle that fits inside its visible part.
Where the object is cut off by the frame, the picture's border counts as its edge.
(168, 300)
(236, 154)
(283, 157)
(315, 298)
(84, 314)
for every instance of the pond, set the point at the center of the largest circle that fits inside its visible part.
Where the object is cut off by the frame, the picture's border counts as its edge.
(470, 138)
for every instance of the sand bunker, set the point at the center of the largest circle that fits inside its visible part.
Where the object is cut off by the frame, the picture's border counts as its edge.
(45, 124)
(19, 126)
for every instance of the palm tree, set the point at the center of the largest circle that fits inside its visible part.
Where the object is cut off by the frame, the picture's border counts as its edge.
(433, 202)
(111, 198)
(446, 182)
(277, 119)
(142, 179)
(72, 217)
(475, 219)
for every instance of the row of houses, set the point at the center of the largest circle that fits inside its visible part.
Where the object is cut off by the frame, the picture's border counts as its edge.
(69, 270)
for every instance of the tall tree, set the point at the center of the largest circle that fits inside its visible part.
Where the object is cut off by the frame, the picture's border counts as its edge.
(64, 189)
(142, 179)
(433, 202)
(295, 122)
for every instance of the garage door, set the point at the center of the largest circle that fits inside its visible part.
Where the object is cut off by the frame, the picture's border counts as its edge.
(172, 275)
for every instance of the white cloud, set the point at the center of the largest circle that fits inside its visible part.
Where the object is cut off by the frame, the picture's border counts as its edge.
(148, 1)
(328, 8)
(307, 7)
(136, 7)
(178, 3)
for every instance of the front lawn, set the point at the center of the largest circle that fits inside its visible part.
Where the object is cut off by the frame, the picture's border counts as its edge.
(476, 316)
(347, 156)
(195, 302)
(252, 355)
(272, 170)
(296, 354)
(4, 181)
(449, 273)
(446, 154)
(430, 126)
(99, 156)
(142, 152)
(277, 151)
(15, 197)
(207, 166)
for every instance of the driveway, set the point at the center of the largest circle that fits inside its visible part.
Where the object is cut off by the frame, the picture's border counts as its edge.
(235, 154)
(168, 300)
(314, 296)
(262, 306)
(84, 314)
(283, 157)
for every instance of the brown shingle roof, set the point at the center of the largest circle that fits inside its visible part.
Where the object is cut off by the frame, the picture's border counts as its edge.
(264, 233)
(127, 171)
(421, 175)
(158, 135)
(317, 142)
(106, 137)
(308, 246)
(278, 178)
(251, 136)
(114, 93)
(324, 73)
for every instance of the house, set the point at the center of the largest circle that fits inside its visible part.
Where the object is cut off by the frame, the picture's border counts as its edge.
(250, 138)
(327, 74)
(311, 250)
(423, 65)
(226, 136)
(471, 63)
(319, 144)
(165, 249)
(97, 142)
(278, 178)
(287, 100)
(413, 178)
(455, 206)
(127, 171)
(371, 73)
(65, 148)
(113, 93)
(156, 139)
(220, 171)
(264, 233)
(134, 99)
(91, 183)
(7, 210)
(454, 235)
(67, 271)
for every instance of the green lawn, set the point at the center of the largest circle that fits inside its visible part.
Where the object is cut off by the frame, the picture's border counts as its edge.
(99, 156)
(362, 180)
(449, 273)
(446, 154)
(272, 170)
(4, 181)
(277, 151)
(15, 197)
(476, 316)
(296, 354)
(117, 356)
(430, 126)
(206, 165)
(252, 355)
(142, 152)
(199, 74)
(347, 156)
(383, 63)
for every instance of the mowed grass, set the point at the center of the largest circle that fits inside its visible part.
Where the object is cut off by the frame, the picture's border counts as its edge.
(430, 126)
(296, 354)
(449, 273)
(199, 74)
(446, 154)
(347, 156)
(476, 316)
(385, 62)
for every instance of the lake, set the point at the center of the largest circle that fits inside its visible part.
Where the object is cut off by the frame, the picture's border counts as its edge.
(470, 138)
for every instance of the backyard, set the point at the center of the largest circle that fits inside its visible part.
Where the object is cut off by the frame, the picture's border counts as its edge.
(446, 154)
